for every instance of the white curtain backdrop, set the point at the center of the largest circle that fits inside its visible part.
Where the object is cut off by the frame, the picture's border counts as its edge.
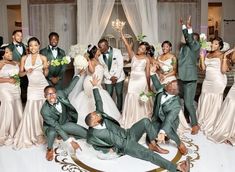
(92, 19)
(46, 18)
(169, 14)
(142, 17)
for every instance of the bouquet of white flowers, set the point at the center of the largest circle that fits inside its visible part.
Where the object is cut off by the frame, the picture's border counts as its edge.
(205, 46)
(80, 62)
(144, 97)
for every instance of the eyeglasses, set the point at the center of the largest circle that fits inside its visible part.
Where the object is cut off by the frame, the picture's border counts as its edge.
(50, 94)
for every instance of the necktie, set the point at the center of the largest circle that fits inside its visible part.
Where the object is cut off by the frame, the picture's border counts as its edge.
(18, 45)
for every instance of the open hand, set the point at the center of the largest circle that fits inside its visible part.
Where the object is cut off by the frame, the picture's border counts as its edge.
(161, 138)
(189, 23)
(75, 145)
(95, 80)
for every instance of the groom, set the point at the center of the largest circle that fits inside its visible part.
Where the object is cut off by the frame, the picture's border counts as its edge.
(105, 134)
(113, 74)
(60, 117)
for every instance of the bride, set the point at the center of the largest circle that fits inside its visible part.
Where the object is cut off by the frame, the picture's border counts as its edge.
(81, 96)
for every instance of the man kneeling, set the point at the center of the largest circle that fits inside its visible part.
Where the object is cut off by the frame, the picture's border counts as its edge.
(60, 117)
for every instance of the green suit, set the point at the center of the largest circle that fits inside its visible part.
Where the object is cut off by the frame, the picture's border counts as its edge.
(23, 80)
(63, 124)
(125, 141)
(187, 69)
(55, 71)
(165, 116)
(15, 53)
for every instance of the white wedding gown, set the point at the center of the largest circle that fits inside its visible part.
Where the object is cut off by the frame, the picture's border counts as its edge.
(84, 101)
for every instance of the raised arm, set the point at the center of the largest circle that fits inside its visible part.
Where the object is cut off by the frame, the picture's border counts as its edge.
(128, 46)
(224, 63)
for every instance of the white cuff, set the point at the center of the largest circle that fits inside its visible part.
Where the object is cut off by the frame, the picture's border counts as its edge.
(152, 73)
(69, 140)
(95, 87)
(184, 27)
(190, 31)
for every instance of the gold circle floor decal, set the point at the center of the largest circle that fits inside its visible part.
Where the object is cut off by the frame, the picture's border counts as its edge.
(71, 163)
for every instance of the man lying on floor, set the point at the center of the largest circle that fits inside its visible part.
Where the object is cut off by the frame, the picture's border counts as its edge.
(105, 134)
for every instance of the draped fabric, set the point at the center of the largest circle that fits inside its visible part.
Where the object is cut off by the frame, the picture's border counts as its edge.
(92, 19)
(143, 18)
(169, 14)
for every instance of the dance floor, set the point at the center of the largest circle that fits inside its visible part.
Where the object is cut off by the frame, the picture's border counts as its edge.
(205, 156)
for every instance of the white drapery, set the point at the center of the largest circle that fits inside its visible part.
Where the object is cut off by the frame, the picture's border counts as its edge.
(46, 18)
(92, 19)
(169, 14)
(142, 17)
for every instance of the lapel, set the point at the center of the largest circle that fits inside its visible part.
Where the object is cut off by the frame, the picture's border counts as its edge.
(110, 58)
(49, 53)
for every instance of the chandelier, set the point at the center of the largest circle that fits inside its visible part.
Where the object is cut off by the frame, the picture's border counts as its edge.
(118, 25)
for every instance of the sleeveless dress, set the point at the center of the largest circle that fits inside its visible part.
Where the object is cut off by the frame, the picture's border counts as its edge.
(30, 130)
(224, 125)
(84, 102)
(10, 107)
(166, 67)
(211, 96)
(134, 109)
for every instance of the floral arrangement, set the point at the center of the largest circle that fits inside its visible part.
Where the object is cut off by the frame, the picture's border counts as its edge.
(140, 37)
(77, 49)
(144, 96)
(61, 62)
(158, 49)
(80, 62)
(16, 77)
(205, 46)
(226, 46)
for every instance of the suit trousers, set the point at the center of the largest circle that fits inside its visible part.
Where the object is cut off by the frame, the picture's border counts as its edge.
(134, 149)
(119, 92)
(69, 128)
(188, 91)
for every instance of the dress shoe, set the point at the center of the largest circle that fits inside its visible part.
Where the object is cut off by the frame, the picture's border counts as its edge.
(184, 166)
(50, 154)
(182, 148)
(195, 129)
(158, 149)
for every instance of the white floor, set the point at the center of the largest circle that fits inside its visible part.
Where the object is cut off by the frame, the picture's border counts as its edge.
(206, 157)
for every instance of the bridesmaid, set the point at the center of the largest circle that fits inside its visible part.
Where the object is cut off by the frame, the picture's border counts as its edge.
(134, 109)
(224, 125)
(213, 85)
(167, 64)
(10, 106)
(35, 66)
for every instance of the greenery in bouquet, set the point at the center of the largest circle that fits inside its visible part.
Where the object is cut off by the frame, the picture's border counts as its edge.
(140, 37)
(61, 62)
(16, 77)
(144, 96)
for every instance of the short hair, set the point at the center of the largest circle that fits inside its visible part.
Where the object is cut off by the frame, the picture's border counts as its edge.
(33, 39)
(53, 34)
(167, 42)
(88, 119)
(91, 50)
(48, 87)
(220, 40)
(15, 31)
(103, 40)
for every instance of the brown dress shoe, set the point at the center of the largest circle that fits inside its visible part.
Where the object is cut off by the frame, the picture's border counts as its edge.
(50, 154)
(182, 148)
(158, 149)
(195, 129)
(184, 166)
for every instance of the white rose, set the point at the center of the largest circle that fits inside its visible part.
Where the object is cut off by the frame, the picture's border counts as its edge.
(203, 36)
(68, 59)
(165, 68)
(144, 98)
(226, 46)
(80, 62)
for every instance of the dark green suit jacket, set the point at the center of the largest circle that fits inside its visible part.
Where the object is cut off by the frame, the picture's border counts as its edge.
(165, 115)
(54, 71)
(15, 53)
(52, 118)
(187, 61)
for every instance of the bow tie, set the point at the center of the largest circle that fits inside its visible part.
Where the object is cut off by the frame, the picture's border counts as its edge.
(18, 45)
(54, 104)
(54, 48)
(165, 93)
